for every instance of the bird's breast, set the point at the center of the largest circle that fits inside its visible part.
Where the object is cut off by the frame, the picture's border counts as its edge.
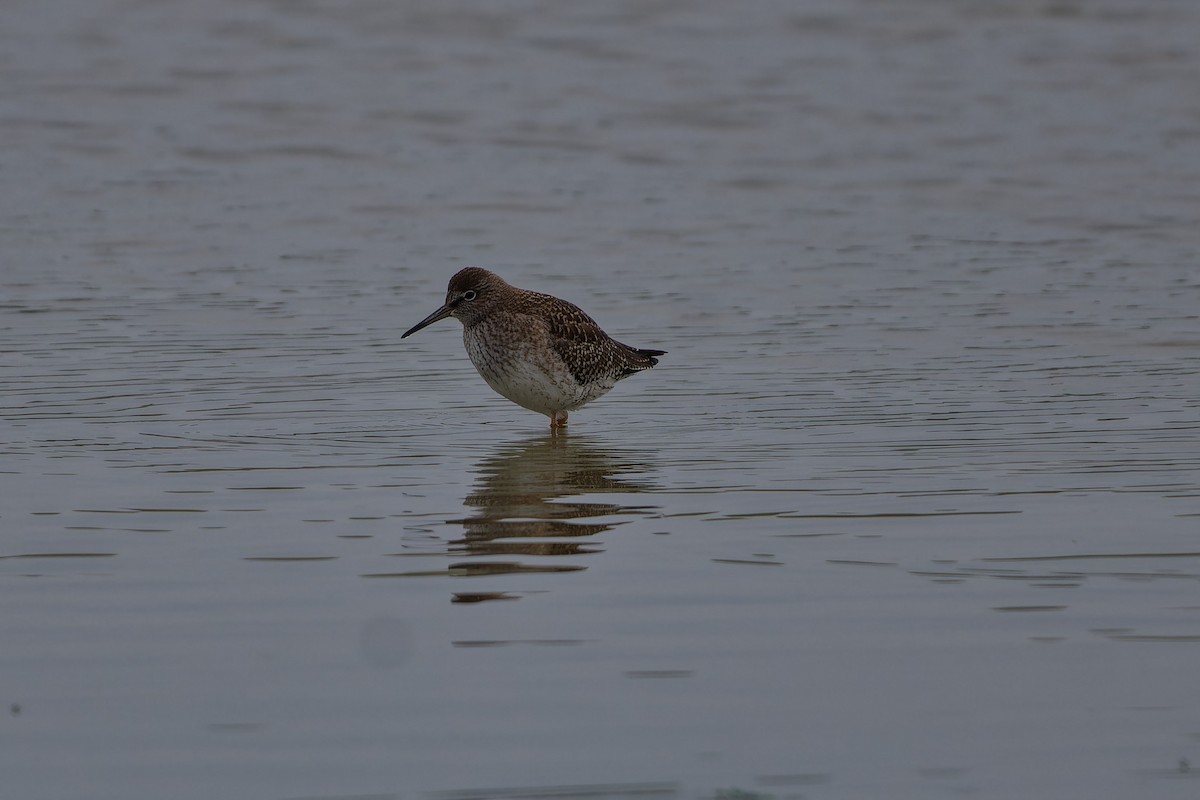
(520, 364)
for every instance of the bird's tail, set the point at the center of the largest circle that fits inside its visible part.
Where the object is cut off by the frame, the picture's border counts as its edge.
(638, 359)
(649, 354)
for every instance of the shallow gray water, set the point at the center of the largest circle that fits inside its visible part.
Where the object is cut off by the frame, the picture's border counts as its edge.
(911, 508)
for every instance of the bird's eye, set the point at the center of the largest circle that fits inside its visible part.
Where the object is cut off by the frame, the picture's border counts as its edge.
(469, 294)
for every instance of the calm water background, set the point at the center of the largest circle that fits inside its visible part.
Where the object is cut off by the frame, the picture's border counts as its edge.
(910, 510)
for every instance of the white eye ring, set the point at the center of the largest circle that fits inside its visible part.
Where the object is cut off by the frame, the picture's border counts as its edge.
(469, 294)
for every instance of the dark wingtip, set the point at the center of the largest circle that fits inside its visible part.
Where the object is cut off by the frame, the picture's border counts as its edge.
(648, 355)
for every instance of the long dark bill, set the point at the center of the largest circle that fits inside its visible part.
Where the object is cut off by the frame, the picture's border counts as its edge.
(441, 313)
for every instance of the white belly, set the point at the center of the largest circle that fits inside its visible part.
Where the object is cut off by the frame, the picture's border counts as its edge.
(527, 374)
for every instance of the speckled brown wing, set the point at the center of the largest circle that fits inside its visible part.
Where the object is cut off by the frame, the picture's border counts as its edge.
(589, 353)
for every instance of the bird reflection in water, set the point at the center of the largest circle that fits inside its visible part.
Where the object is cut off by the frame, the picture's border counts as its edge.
(519, 508)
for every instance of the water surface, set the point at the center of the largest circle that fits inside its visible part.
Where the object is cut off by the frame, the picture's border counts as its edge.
(910, 509)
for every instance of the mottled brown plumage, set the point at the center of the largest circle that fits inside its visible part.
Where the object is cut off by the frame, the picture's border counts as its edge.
(543, 353)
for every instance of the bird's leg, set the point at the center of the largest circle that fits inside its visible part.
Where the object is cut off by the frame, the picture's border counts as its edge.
(562, 421)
